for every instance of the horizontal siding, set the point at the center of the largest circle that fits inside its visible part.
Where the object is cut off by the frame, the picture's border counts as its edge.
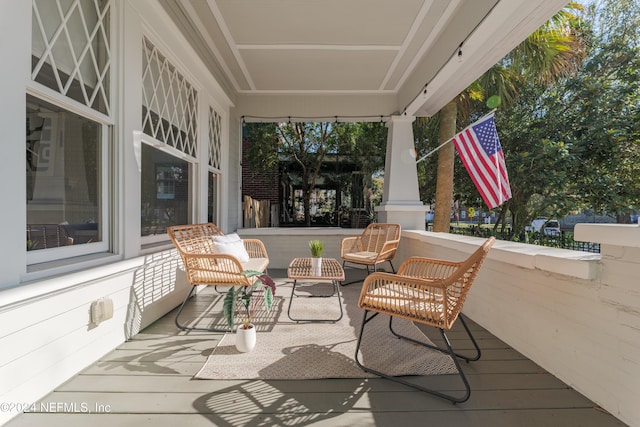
(47, 339)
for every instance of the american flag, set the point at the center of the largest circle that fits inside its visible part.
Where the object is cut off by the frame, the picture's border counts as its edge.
(479, 148)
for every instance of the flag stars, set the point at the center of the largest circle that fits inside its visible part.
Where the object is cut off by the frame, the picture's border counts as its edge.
(488, 137)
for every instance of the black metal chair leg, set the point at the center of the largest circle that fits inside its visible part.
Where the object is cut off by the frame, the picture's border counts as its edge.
(440, 349)
(354, 281)
(400, 380)
(187, 328)
(473, 340)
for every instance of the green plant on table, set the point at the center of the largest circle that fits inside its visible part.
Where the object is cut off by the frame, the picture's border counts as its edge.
(316, 246)
(262, 285)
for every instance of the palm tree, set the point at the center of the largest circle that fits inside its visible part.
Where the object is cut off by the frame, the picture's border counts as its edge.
(552, 51)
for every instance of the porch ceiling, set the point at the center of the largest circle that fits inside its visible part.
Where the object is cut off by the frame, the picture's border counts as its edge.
(352, 58)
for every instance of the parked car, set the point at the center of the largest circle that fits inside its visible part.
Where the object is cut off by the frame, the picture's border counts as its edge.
(536, 225)
(551, 228)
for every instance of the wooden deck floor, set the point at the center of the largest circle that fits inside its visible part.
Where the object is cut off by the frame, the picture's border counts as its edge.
(147, 381)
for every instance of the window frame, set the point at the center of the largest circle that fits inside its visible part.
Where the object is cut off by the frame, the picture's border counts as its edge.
(44, 259)
(193, 185)
(215, 212)
(106, 154)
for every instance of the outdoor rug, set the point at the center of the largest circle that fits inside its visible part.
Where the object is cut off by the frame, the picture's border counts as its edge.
(289, 350)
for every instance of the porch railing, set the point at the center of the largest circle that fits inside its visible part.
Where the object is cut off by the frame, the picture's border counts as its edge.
(563, 240)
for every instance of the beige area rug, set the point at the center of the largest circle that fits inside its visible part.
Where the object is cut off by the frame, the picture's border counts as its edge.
(289, 350)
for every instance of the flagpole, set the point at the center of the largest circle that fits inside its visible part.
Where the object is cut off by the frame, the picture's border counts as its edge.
(490, 113)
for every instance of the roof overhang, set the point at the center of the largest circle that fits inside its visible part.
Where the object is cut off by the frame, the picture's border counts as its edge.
(352, 59)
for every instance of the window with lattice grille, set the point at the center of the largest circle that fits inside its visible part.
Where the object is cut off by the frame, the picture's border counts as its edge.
(71, 52)
(215, 124)
(169, 102)
(213, 181)
(68, 137)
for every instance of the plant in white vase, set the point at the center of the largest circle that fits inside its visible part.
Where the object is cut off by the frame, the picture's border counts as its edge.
(316, 247)
(244, 295)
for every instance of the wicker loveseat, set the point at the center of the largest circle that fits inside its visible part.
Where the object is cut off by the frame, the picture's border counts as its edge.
(212, 258)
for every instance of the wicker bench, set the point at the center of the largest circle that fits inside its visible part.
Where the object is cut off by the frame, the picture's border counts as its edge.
(212, 259)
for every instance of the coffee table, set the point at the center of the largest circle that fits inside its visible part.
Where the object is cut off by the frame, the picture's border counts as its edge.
(300, 269)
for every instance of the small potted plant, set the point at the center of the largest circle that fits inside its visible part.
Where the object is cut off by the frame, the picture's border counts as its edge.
(244, 295)
(316, 247)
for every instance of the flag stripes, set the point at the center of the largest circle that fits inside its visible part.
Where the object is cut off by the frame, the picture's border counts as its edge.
(479, 149)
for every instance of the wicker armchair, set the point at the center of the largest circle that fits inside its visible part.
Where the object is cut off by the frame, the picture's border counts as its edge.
(203, 266)
(427, 291)
(378, 243)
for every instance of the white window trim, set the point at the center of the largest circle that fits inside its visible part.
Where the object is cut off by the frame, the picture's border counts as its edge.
(44, 93)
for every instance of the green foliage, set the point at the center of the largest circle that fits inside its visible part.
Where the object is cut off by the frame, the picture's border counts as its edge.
(316, 247)
(576, 141)
(243, 296)
(604, 109)
(553, 51)
(572, 141)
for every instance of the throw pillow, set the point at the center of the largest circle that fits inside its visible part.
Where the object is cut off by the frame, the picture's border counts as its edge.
(227, 238)
(230, 245)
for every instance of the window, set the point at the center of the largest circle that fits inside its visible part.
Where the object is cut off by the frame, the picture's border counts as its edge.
(67, 136)
(64, 153)
(166, 192)
(169, 149)
(71, 50)
(215, 138)
(215, 146)
(212, 192)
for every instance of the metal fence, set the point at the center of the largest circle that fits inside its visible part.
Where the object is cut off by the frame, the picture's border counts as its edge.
(562, 240)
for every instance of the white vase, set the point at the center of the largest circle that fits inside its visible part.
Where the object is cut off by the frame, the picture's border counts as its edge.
(245, 339)
(316, 266)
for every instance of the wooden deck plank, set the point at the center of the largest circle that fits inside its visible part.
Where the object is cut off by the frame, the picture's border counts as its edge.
(180, 384)
(508, 418)
(261, 397)
(562, 417)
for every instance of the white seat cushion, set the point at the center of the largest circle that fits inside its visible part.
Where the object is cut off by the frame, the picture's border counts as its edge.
(256, 264)
(365, 256)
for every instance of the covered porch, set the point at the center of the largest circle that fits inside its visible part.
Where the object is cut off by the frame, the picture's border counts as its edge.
(551, 320)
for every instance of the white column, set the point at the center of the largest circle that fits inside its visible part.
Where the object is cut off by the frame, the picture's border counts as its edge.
(401, 199)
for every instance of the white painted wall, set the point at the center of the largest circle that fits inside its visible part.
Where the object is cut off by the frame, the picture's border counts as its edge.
(284, 244)
(574, 314)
